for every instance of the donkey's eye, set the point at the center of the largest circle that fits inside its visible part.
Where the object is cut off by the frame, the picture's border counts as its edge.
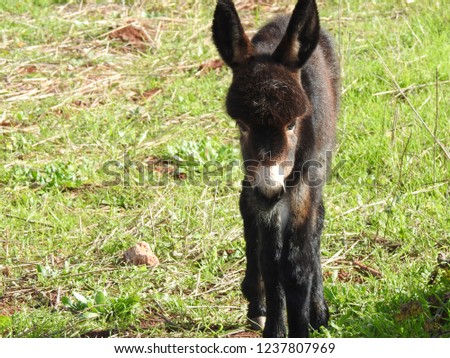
(242, 127)
(291, 127)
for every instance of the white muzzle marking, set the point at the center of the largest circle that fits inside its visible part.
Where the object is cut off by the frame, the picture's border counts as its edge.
(269, 179)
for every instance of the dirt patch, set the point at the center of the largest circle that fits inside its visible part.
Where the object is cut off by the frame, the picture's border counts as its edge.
(146, 95)
(208, 66)
(87, 187)
(99, 334)
(27, 69)
(389, 245)
(136, 32)
(13, 126)
(165, 167)
(8, 306)
(347, 276)
(87, 103)
(366, 270)
(344, 276)
(151, 93)
(438, 305)
(244, 334)
(408, 310)
(151, 321)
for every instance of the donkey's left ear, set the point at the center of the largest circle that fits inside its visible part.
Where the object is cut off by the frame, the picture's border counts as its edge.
(301, 37)
(228, 35)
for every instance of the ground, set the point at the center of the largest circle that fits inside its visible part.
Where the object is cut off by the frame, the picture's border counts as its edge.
(113, 131)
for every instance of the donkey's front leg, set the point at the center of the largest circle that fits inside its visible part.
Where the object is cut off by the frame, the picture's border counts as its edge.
(297, 274)
(271, 247)
(252, 285)
(319, 313)
(298, 290)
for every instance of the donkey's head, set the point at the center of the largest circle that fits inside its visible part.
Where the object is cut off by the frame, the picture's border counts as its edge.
(266, 96)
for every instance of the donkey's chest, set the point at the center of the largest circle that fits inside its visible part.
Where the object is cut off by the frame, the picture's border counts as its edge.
(276, 217)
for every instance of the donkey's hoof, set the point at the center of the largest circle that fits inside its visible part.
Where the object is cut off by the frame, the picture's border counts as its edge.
(257, 323)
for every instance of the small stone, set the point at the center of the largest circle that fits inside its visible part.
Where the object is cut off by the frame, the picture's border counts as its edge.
(141, 254)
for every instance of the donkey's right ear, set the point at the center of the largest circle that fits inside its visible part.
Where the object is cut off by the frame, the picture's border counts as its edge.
(228, 35)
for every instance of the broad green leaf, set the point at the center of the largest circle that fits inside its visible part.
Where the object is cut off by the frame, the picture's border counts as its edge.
(100, 298)
(80, 298)
(66, 301)
(90, 315)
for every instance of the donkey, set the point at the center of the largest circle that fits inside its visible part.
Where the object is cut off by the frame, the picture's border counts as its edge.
(284, 97)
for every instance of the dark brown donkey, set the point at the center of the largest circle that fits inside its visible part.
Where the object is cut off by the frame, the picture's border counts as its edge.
(284, 97)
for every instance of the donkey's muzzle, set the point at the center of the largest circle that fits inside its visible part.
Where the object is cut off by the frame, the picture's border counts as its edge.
(269, 181)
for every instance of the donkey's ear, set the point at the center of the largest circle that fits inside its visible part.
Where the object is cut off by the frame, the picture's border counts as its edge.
(301, 37)
(229, 36)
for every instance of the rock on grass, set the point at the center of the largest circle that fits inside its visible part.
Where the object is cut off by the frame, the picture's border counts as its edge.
(140, 254)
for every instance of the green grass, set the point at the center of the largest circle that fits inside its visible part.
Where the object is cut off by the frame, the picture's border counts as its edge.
(73, 99)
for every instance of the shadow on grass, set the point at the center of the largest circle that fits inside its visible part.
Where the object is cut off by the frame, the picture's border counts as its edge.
(419, 314)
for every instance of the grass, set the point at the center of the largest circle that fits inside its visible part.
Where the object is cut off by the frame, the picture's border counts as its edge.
(80, 102)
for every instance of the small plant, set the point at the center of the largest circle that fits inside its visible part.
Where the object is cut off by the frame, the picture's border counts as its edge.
(46, 271)
(51, 175)
(209, 158)
(203, 152)
(5, 324)
(101, 305)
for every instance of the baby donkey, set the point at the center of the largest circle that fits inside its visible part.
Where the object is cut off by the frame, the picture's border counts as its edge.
(284, 97)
